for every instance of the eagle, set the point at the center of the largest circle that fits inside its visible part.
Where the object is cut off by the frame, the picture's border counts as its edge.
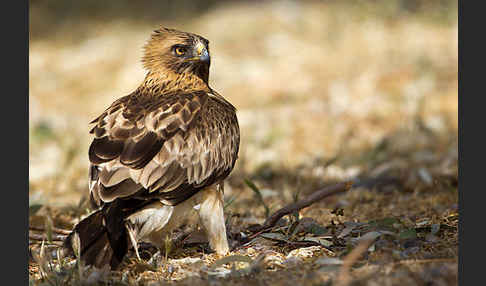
(158, 153)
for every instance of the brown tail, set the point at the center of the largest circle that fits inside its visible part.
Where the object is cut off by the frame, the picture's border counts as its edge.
(103, 237)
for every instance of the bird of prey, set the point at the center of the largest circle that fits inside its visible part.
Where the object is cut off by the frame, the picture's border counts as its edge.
(158, 153)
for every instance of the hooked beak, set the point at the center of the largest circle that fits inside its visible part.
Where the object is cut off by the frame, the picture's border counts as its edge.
(200, 53)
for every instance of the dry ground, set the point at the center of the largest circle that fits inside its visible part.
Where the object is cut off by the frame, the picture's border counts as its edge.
(325, 93)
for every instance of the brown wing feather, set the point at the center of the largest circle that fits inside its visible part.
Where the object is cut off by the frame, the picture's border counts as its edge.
(170, 147)
(103, 150)
(136, 154)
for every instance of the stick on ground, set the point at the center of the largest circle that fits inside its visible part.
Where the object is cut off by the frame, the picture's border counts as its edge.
(40, 237)
(312, 198)
(344, 276)
(54, 229)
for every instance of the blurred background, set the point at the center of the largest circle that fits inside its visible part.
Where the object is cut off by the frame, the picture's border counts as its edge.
(325, 90)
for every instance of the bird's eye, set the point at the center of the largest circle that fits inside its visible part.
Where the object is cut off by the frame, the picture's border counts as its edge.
(179, 51)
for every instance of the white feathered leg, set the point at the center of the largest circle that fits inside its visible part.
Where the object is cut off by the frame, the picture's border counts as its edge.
(156, 221)
(211, 216)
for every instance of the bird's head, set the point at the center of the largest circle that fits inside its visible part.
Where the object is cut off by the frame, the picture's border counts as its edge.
(171, 51)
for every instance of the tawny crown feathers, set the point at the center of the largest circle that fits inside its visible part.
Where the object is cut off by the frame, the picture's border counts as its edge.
(170, 53)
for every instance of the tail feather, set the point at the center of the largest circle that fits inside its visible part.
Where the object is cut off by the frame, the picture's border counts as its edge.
(103, 238)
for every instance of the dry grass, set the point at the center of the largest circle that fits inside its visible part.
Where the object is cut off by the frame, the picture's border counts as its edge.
(325, 92)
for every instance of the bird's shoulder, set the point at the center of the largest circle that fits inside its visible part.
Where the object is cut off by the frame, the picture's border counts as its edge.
(161, 114)
(135, 127)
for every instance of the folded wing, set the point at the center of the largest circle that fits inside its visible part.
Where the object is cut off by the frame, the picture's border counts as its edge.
(166, 148)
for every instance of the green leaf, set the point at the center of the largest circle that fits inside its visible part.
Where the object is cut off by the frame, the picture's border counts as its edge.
(43, 131)
(407, 234)
(372, 235)
(321, 241)
(34, 208)
(317, 229)
(229, 202)
(49, 225)
(258, 194)
(387, 222)
(274, 236)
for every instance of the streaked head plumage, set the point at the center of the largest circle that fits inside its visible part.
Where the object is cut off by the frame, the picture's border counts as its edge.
(170, 50)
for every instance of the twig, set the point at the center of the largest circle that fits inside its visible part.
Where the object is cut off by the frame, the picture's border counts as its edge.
(40, 237)
(312, 198)
(420, 261)
(344, 276)
(53, 244)
(316, 196)
(132, 235)
(260, 231)
(54, 229)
